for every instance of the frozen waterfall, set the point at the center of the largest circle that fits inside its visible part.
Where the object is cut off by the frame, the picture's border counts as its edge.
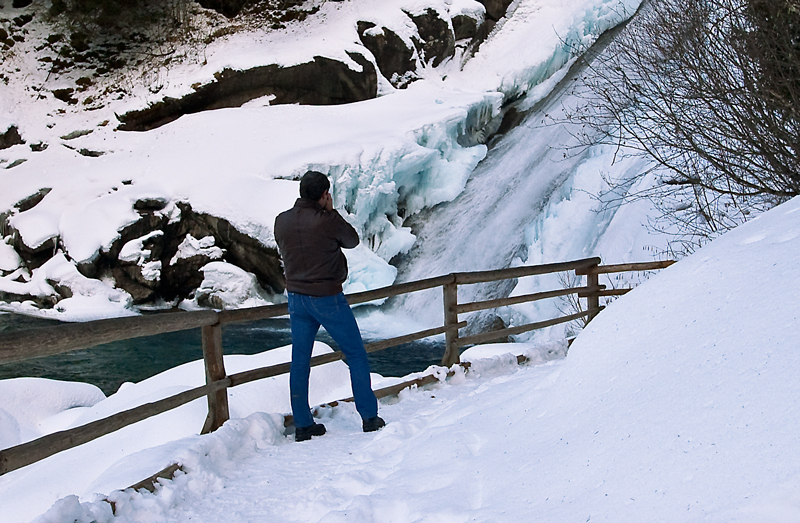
(530, 201)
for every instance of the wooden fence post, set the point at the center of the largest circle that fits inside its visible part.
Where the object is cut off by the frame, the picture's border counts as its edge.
(593, 299)
(450, 292)
(215, 370)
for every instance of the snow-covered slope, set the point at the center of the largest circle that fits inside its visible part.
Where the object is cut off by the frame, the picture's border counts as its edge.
(678, 403)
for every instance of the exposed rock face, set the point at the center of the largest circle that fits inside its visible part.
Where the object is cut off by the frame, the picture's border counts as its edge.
(464, 27)
(229, 8)
(436, 34)
(324, 81)
(33, 257)
(10, 137)
(160, 256)
(33, 200)
(495, 9)
(171, 255)
(320, 82)
(396, 60)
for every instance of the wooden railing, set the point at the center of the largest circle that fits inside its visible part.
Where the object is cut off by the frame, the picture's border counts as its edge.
(36, 343)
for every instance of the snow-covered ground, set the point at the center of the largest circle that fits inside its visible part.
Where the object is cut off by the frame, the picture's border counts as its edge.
(678, 403)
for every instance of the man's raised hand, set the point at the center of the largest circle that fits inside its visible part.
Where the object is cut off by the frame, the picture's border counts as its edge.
(327, 201)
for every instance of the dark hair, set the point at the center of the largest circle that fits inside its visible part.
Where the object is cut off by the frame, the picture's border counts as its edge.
(313, 185)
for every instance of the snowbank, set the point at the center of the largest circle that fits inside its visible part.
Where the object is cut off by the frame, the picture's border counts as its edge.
(33, 407)
(683, 395)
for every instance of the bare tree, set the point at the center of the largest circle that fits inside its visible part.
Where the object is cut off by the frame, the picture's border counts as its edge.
(709, 90)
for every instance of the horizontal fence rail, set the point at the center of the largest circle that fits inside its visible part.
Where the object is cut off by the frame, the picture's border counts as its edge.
(513, 331)
(525, 298)
(48, 341)
(629, 267)
(464, 278)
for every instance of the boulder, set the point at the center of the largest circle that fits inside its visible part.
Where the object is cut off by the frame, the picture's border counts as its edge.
(20, 21)
(322, 81)
(127, 278)
(465, 27)
(44, 302)
(33, 200)
(65, 95)
(249, 254)
(139, 267)
(105, 262)
(180, 279)
(437, 41)
(32, 257)
(228, 8)
(11, 137)
(167, 262)
(495, 9)
(395, 59)
(150, 204)
(227, 286)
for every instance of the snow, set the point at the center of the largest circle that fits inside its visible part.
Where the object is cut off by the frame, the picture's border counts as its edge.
(33, 407)
(191, 246)
(91, 299)
(470, 8)
(9, 259)
(226, 286)
(677, 403)
(121, 457)
(134, 250)
(370, 166)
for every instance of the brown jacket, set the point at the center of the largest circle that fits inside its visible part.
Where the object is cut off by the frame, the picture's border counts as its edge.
(310, 240)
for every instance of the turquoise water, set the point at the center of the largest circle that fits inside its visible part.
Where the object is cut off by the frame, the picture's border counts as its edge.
(110, 365)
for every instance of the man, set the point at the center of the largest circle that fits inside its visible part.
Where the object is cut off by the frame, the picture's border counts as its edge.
(310, 237)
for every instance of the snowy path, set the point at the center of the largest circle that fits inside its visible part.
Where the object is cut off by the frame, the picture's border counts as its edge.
(434, 434)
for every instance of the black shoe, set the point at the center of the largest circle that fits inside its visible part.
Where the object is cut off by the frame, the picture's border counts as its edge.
(373, 424)
(305, 433)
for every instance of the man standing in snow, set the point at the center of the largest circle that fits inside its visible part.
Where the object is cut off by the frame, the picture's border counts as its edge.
(310, 237)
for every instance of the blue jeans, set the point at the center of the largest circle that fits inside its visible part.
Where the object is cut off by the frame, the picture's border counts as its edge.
(306, 314)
